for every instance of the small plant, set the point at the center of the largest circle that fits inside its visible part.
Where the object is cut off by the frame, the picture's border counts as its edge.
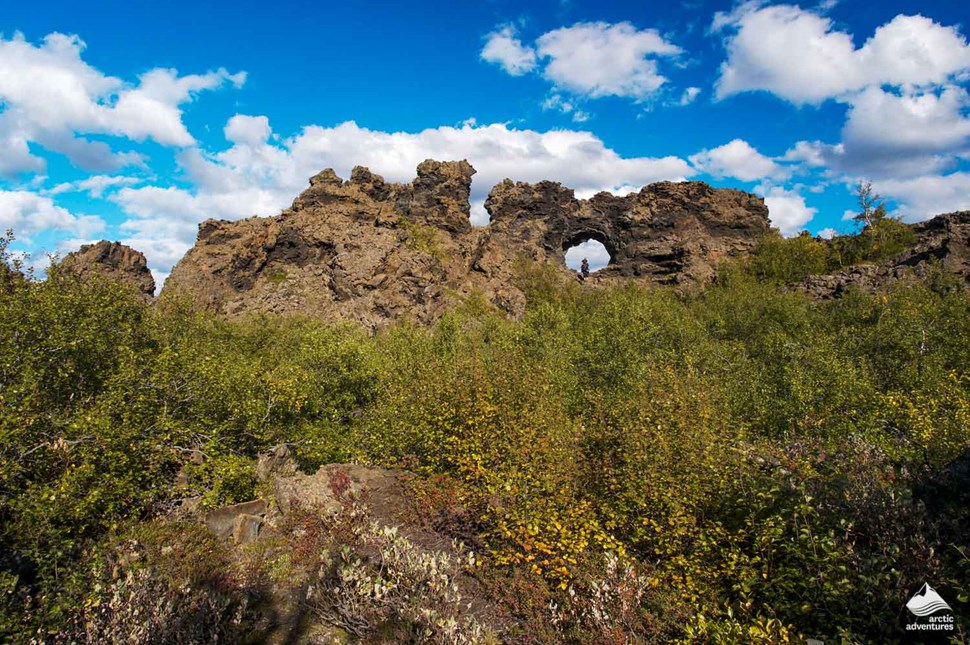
(872, 209)
(369, 580)
(232, 480)
(164, 583)
(609, 608)
(276, 277)
(423, 237)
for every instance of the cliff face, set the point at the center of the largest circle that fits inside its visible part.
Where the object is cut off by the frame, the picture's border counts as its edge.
(360, 250)
(372, 251)
(114, 261)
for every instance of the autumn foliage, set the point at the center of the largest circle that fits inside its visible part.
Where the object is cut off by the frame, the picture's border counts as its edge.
(628, 464)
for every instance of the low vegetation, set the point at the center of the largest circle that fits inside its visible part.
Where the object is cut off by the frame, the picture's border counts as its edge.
(787, 260)
(626, 464)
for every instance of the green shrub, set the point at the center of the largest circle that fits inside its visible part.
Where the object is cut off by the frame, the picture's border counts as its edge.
(751, 463)
(786, 260)
(780, 260)
(884, 238)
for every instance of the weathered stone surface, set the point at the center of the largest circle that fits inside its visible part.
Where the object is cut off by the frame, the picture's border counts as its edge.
(334, 484)
(372, 251)
(373, 497)
(245, 528)
(665, 233)
(277, 461)
(943, 241)
(221, 521)
(114, 261)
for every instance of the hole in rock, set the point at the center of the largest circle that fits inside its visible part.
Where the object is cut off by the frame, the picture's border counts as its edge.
(593, 250)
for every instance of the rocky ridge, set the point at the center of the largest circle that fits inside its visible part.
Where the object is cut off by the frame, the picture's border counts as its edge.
(372, 251)
(942, 242)
(114, 261)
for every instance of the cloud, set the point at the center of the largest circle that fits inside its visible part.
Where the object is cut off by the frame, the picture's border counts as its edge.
(94, 156)
(28, 213)
(827, 233)
(799, 56)
(16, 157)
(151, 110)
(558, 103)
(503, 48)
(689, 96)
(813, 154)
(50, 96)
(890, 135)
(163, 222)
(914, 50)
(737, 159)
(785, 50)
(259, 174)
(919, 124)
(94, 186)
(921, 198)
(589, 59)
(904, 88)
(593, 251)
(597, 59)
(786, 209)
(249, 130)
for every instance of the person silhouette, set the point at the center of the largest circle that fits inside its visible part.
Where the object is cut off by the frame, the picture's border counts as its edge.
(584, 268)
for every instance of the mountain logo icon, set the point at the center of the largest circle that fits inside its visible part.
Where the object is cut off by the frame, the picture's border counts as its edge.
(926, 601)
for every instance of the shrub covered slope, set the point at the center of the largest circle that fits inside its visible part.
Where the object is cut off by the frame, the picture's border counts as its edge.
(629, 465)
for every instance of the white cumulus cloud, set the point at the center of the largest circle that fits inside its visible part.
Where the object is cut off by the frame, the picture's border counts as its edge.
(27, 213)
(800, 56)
(249, 130)
(95, 186)
(787, 209)
(895, 135)
(503, 48)
(589, 60)
(598, 59)
(919, 123)
(50, 97)
(594, 252)
(908, 116)
(919, 198)
(737, 159)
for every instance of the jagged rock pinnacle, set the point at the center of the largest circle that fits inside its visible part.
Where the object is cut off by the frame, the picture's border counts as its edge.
(112, 260)
(372, 251)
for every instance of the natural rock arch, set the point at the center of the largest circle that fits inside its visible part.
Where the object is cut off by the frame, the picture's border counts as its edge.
(371, 251)
(667, 232)
(582, 236)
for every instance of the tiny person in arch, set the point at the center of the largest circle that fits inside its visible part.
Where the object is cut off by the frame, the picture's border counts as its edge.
(584, 268)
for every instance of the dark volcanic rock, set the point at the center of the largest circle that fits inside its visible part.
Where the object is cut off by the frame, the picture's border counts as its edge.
(372, 251)
(666, 233)
(942, 242)
(114, 261)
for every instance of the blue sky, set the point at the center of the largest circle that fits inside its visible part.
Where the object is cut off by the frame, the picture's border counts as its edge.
(137, 120)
